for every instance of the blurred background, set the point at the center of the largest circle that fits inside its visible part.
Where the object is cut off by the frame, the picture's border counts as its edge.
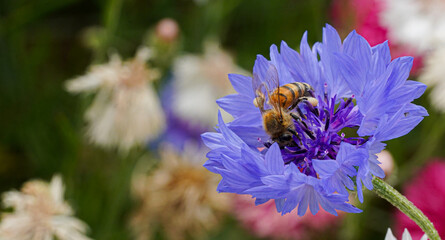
(112, 96)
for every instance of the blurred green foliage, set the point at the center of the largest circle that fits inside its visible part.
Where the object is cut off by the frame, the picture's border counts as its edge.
(42, 44)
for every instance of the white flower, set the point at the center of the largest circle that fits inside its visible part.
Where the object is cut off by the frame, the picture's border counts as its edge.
(178, 196)
(405, 236)
(40, 213)
(433, 75)
(125, 111)
(199, 81)
(416, 23)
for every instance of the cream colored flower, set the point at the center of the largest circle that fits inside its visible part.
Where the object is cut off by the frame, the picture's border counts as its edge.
(125, 111)
(405, 236)
(416, 23)
(199, 81)
(178, 197)
(433, 75)
(40, 213)
(387, 162)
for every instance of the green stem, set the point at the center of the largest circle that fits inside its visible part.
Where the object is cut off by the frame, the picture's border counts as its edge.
(385, 191)
(112, 15)
(111, 20)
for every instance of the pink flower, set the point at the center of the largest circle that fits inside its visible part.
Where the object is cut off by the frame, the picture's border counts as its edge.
(264, 221)
(364, 16)
(167, 30)
(427, 192)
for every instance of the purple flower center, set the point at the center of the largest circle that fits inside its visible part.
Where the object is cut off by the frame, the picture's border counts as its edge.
(319, 132)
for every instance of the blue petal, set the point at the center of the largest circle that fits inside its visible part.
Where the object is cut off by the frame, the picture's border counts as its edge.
(415, 110)
(304, 67)
(408, 92)
(313, 205)
(292, 60)
(336, 86)
(276, 181)
(358, 48)
(381, 58)
(375, 147)
(397, 126)
(312, 67)
(292, 202)
(251, 135)
(226, 132)
(304, 201)
(248, 119)
(326, 205)
(236, 105)
(279, 204)
(265, 71)
(325, 168)
(274, 160)
(331, 39)
(212, 140)
(242, 84)
(283, 72)
(335, 175)
(259, 201)
(263, 191)
(351, 73)
(213, 166)
(339, 202)
(401, 72)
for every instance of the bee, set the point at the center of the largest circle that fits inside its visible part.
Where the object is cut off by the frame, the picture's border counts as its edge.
(276, 106)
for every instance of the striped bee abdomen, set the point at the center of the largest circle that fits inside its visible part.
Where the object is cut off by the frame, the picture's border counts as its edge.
(289, 95)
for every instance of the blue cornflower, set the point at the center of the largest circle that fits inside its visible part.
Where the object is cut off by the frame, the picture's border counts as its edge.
(358, 88)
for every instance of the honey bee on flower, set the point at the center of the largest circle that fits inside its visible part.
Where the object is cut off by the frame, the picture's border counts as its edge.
(355, 86)
(276, 107)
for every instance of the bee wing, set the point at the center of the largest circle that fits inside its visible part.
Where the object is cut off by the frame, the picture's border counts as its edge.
(274, 83)
(262, 89)
(261, 93)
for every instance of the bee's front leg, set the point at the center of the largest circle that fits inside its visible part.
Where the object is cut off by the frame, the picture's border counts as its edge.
(295, 116)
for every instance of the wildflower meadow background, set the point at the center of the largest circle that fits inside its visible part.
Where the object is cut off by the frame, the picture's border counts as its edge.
(103, 103)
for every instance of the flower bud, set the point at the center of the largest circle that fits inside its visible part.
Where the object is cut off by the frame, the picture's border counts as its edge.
(167, 30)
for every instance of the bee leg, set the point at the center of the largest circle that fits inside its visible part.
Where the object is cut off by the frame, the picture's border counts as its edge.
(298, 119)
(292, 131)
(293, 106)
(295, 134)
(301, 113)
(267, 144)
(259, 103)
(295, 116)
(304, 126)
(311, 93)
(298, 115)
(310, 104)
